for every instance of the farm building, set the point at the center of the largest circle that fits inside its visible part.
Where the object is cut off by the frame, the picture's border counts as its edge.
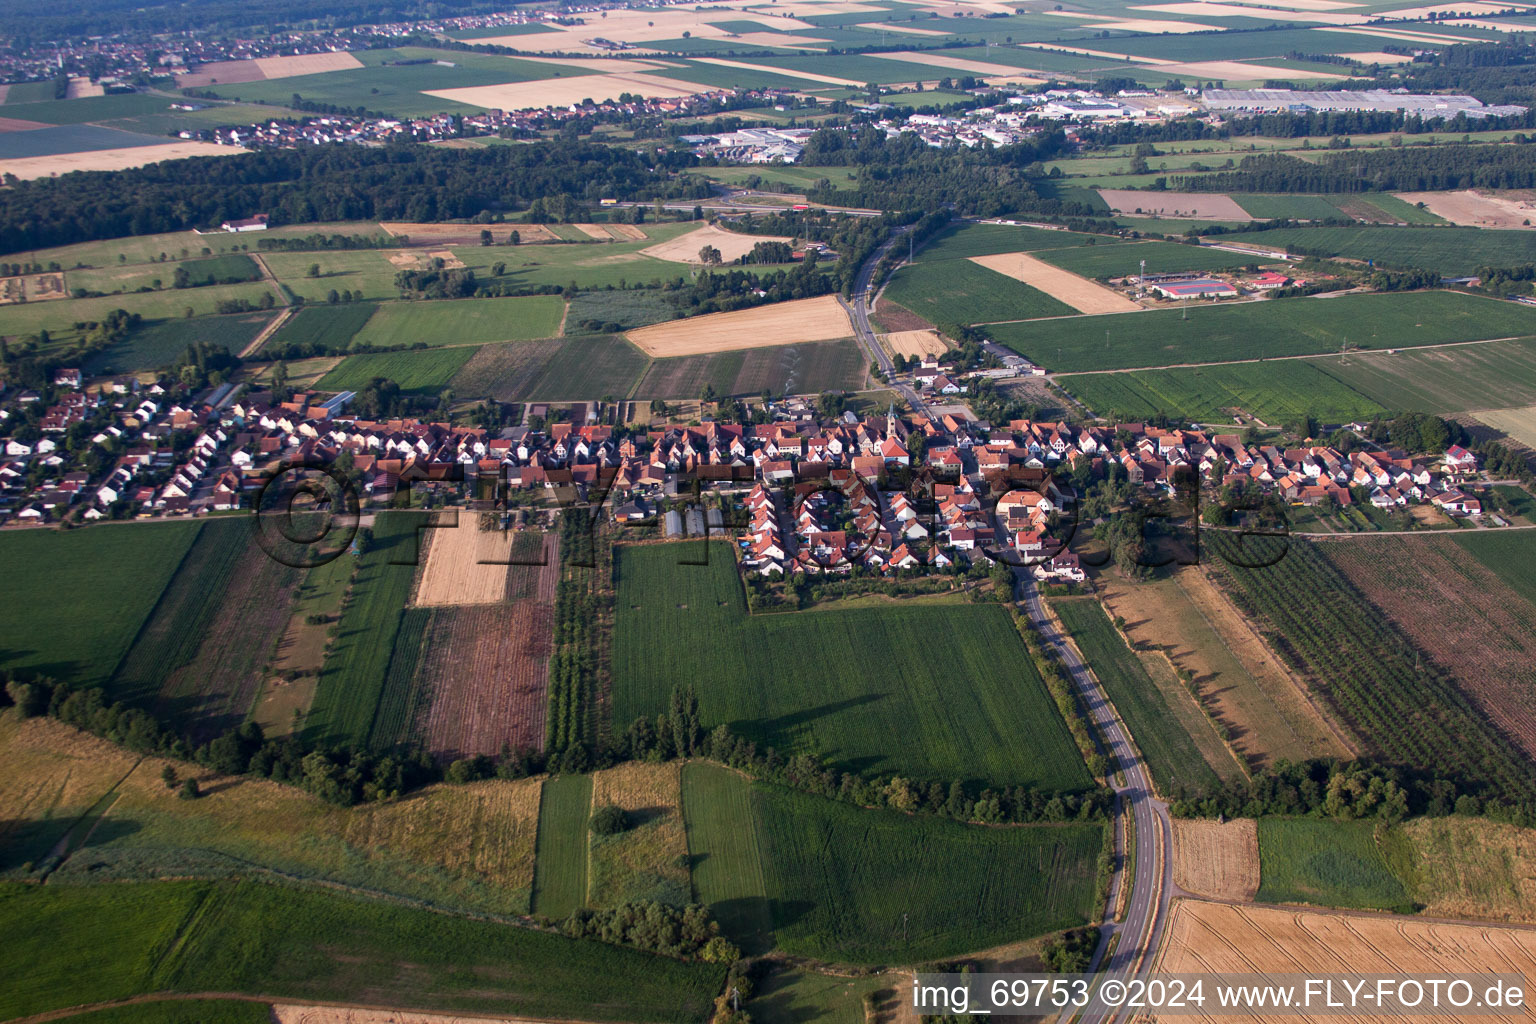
(1198, 288)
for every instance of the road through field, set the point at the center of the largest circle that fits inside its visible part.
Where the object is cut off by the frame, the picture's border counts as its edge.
(1146, 914)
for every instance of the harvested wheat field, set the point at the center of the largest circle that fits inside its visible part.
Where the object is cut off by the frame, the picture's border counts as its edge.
(649, 860)
(1206, 938)
(1518, 423)
(685, 247)
(560, 92)
(1081, 294)
(938, 60)
(294, 1013)
(627, 232)
(466, 234)
(1220, 861)
(1199, 205)
(465, 564)
(913, 344)
(878, 26)
(805, 75)
(306, 64)
(594, 231)
(1477, 209)
(233, 72)
(31, 167)
(485, 674)
(782, 323)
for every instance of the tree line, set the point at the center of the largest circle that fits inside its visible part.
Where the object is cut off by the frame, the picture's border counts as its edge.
(1409, 169)
(402, 182)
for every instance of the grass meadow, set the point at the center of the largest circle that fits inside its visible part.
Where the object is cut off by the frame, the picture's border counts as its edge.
(933, 692)
(463, 321)
(1325, 862)
(305, 945)
(725, 849)
(560, 869)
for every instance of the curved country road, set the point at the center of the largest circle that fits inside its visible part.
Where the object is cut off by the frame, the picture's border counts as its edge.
(1152, 886)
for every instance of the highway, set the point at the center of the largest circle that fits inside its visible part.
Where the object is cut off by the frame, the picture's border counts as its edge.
(1152, 888)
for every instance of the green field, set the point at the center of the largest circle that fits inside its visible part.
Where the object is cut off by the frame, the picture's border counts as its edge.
(560, 871)
(962, 292)
(870, 886)
(616, 310)
(417, 371)
(726, 850)
(933, 692)
(304, 945)
(809, 367)
(1275, 391)
(1451, 251)
(800, 996)
(364, 272)
(88, 109)
(352, 682)
(70, 625)
(1170, 752)
(1497, 375)
(1162, 258)
(327, 328)
(1329, 863)
(158, 343)
(170, 636)
(961, 241)
(1512, 556)
(1290, 207)
(1249, 330)
(58, 316)
(463, 321)
(594, 366)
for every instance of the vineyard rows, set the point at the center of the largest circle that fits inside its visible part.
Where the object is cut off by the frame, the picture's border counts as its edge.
(1404, 706)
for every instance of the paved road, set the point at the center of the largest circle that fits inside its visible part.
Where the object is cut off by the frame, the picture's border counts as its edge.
(864, 288)
(1152, 887)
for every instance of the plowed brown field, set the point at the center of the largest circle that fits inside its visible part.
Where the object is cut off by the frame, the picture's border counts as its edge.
(487, 669)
